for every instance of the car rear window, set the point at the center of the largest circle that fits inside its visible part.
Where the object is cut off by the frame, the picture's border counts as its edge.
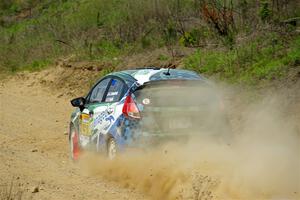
(175, 74)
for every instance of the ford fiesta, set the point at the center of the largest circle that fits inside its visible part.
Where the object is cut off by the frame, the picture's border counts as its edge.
(142, 108)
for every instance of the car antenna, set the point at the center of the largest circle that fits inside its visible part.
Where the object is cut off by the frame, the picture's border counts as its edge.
(168, 72)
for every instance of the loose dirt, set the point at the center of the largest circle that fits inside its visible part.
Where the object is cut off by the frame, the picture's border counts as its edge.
(263, 162)
(34, 147)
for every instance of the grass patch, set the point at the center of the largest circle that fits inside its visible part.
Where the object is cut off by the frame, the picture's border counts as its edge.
(107, 30)
(37, 65)
(247, 63)
(163, 57)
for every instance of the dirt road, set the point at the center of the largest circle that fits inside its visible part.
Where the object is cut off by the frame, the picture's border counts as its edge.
(34, 148)
(34, 151)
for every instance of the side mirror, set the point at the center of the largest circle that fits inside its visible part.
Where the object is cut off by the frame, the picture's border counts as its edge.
(78, 102)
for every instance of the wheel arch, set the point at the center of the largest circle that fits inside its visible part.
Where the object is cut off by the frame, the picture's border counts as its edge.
(71, 127)
(109, 136)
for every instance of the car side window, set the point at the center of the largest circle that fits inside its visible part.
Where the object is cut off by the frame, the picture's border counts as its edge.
(115, 91)
(98, 92)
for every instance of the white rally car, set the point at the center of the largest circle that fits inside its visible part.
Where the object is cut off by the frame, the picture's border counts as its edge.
(140, 108)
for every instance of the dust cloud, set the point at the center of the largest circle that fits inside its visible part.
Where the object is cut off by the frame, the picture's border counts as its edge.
(259, 160)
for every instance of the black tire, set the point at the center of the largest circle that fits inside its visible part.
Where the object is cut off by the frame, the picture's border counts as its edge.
(111, 148)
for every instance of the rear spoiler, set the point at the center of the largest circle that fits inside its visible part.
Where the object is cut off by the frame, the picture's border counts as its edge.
(173, 82)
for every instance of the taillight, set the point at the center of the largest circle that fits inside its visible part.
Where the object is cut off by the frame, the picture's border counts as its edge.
(130, 108)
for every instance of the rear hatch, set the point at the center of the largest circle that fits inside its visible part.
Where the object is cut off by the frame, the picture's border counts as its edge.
(177, 107)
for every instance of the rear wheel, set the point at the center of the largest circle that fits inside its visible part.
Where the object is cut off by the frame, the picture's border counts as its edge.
(111, 149)
(74, 145)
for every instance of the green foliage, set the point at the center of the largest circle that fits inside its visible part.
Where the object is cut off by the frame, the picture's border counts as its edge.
(105, 30)
(108, 50)
(37, 65)
(229, 40)
(293, 56)
(247, 63)
(107, 70)
(193, 62)
(264, 11)
(170, 32)
(266, 69)
(209, 62)
(191, 38)
(162, 57)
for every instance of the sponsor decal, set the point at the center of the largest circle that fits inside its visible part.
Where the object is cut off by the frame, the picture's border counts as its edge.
(100, 118)
(110, 110)
(113, 82)
(104, 119)
(109, 121)
(109, 99)
(85, 124)
(112, 93)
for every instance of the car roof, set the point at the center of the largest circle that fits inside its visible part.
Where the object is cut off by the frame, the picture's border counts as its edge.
(143, 75)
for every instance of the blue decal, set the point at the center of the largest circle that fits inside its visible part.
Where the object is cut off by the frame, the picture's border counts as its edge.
(100, 118)
(110, 119)
(113, 82)
(113, 131)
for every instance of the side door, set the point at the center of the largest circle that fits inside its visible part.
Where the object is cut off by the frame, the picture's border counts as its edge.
(115, 92)
(94, 105)
(97, 116)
